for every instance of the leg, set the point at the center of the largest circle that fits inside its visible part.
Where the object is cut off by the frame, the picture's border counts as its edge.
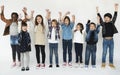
(87, 55)
(37, 53)
(18, 53)
(56, 53)
(27, 58)
(76, 51)
(111, 51)
(22, 59)
(105, 46)
(51, 52)
(81, 50)
(43, 53)
(70, 50)
(13, 52)
(64, 50)
(93, 55)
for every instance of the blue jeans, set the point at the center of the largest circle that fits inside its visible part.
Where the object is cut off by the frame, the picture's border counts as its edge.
(53, 47)
(90, 51)
(108, 44)
(14, 40)
(67, 44)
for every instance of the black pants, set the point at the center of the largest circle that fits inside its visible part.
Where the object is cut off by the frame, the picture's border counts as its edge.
(14, 51)
(38, 48)
(78, 52)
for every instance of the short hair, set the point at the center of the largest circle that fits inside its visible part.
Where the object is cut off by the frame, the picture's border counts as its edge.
(108, 15)
(54, 20)
(14, 13)
(93, 24)
(23, 23)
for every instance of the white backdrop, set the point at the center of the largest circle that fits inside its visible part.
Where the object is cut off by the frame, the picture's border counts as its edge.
(83, 10)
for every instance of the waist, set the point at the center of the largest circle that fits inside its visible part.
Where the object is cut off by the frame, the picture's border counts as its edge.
(108, 38)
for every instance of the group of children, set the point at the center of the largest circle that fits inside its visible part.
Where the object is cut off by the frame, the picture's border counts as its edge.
(21, 42)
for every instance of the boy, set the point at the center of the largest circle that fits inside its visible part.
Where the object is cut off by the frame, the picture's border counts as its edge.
(91, 39)
(108, 31)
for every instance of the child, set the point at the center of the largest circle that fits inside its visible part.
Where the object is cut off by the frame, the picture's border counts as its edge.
(24, 46)
(40, 40)
(108, 31)
(53, 38)
(67, 27)
(78, 42)
(91, 39)
(11, 29)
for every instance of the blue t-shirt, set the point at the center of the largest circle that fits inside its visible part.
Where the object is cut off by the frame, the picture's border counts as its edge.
(67, 31)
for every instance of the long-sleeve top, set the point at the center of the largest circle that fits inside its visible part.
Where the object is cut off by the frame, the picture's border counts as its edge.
(108, 29)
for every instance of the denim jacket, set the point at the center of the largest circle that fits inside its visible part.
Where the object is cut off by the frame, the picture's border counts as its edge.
(89, 33)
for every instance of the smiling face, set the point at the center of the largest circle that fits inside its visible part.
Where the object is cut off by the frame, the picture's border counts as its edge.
(67, 20)
(14, 17)
(92, 27)
(39, 20)
(78, 27)
(107, 19)
(24, 28)
(54, 23)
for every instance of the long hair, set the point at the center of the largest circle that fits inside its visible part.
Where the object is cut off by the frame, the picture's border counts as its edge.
(42, 22)
(67, 17)
(81, 26)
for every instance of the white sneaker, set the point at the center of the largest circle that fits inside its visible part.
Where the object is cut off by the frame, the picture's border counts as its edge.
(76, 65)
(70, 64)
(64, 64)
(81, 65)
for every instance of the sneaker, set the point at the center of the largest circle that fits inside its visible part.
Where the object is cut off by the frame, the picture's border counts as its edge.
(76, 65)
(81, 65)
(64, 64)
(23, 69)
(70, 64)
(57, 66)
(103, 65)
(38, 66)
(19, 64)
(93, 66)
(27, 68)
(86, 66)
(14, 64)
(111, 65)
(50, 66)
(43, 65)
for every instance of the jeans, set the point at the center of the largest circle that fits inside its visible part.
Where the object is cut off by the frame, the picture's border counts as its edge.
(14, 40)
(67, 44)
(53, 48)
(40, 48)
(78, 52)
(108, 44)
(90, 51)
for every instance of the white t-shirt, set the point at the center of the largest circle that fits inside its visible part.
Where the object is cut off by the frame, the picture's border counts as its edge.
(53, 40)
(78, 37)
(14, 28)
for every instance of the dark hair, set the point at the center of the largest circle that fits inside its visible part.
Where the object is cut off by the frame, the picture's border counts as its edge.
(93, 24)
(67, 17)
(23, 23)
(108, 15)
(14, 13)
(54, 20)
(81, 26)
(42, 23)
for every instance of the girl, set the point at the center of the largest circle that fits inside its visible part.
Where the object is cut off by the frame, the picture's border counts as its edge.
(11, 29)
(67, 27)
(24, 45)
(40, 40)
(53, 38)
(78, 42)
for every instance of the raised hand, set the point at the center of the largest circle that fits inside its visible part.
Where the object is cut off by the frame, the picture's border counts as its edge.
(73, 18)
(98, 20)
(67, 13)
(97, 9)
(24, 9)
(60, 14)
(48, 14)
(116, 7)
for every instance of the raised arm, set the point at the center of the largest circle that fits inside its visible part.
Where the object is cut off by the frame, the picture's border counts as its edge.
(48, 17)
(73, 18)
(2, 15)
(25, 14)
(115, 13)
(98, 24)
(87, 26)
(98, 14)
(67, 13)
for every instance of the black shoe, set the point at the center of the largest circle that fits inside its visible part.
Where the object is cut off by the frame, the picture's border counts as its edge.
(81, 62)
(57, 66)
(27, 69)
(23, 69)
(50, 66)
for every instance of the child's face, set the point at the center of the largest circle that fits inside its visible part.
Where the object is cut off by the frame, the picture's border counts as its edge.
(107, 19)
(78, 27)
(66, 22)
(24, 28)
(39, 20)
(54, 24)
(92, 27)
(14, 18)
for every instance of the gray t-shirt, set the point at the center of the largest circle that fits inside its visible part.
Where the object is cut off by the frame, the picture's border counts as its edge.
(14, 28)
